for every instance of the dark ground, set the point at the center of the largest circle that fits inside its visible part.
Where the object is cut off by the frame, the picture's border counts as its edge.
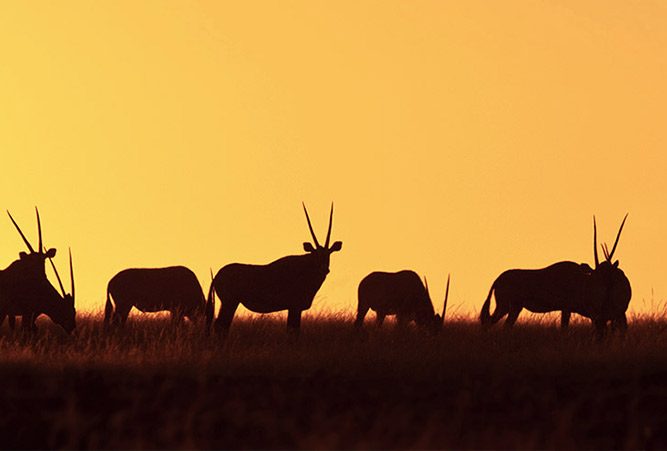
(153, 386)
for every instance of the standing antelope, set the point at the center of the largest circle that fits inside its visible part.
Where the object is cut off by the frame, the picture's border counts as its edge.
(399, 293)
(175, 289)
(25, 291)
(601, 294)
(289, 283)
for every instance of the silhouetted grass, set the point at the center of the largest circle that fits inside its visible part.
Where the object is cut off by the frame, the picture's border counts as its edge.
(155, 386)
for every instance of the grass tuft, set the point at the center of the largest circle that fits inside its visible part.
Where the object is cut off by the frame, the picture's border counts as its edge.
(152, 385)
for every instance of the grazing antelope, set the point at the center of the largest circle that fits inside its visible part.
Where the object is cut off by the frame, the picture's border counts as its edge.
(289, 283)
(398, 293)
(25, 291)
(174, 289)
(601, 293)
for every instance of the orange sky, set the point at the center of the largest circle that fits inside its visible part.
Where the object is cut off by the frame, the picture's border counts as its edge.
(464, 137)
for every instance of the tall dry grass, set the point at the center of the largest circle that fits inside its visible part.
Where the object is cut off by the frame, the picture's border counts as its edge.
(151, 385)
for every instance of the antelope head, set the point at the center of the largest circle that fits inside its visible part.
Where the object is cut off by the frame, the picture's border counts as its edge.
(322, 253)
(610, 283)
(37, 258)
(605, 249)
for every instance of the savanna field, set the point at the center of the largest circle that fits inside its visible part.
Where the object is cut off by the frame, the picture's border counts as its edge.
(152, 385)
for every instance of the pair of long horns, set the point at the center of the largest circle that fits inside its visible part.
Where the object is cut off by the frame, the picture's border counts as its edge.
(312, 232)
(41, 251)
(607, 255)
(71, 275)
(39, 232)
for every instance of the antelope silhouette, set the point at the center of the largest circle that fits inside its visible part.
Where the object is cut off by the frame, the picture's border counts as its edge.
(601, 293)
(289, 283)
(398, 293)
(25, 290)
(174, 289)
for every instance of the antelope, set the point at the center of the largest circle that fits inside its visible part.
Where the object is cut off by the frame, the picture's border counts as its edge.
(289, 283)
(174, 289)
(398, 293)
(25, 291)
(601, 293)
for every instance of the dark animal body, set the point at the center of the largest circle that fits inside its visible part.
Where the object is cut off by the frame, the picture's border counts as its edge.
(25, 290)
(289, 283)
(174, 289)
(398, 293)
(602, 293)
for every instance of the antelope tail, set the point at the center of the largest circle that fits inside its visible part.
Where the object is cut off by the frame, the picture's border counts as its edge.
(108, 309)
(485, 315)
(210, 301)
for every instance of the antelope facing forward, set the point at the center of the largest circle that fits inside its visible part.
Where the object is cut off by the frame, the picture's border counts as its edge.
(289, 283)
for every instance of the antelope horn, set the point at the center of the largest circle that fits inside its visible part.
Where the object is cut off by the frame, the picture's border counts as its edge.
(444, 307)
(62, 288)
(21, 233)
(613, 249)
(71, 273)
(595, 243)
(60, 282)
(326, 243)
(605, 250)
(39, 231)
(310, 226)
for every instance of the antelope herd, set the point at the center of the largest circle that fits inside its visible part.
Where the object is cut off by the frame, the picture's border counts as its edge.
(601, 293)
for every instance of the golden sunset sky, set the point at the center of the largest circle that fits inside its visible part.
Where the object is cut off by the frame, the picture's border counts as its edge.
(467, 137)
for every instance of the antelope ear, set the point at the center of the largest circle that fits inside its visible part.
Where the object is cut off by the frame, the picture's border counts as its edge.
(338, 245)
(51, 253)
(22, 254)
(616, 264)
(308, 247)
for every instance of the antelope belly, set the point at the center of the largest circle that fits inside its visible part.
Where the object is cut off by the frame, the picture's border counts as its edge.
(274, 304)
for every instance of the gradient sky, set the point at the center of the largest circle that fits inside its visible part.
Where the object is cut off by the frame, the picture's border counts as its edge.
(465, 137)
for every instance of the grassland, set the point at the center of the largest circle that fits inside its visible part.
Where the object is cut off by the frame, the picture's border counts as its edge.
(156, 386)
